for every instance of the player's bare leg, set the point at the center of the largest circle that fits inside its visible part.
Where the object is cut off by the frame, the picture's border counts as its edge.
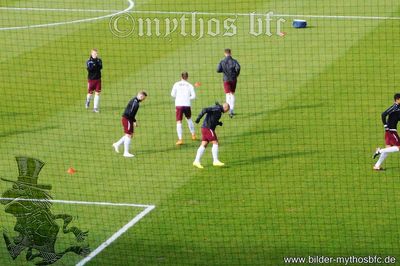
(216, 162)
(96, 102)
(179, 132)
(199, 154)
(383, 153)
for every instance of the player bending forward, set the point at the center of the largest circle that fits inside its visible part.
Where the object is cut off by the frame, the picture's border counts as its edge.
(129, 123)
(391, 137)
(94, 66)
(183, 92)
(211, 121)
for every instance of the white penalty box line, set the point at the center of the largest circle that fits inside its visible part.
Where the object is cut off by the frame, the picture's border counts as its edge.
(115, 236)
(156, 12)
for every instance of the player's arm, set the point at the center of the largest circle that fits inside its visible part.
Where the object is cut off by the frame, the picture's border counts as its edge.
(219, 68)
(173, 92)
(386, 113)
(202, 113)
(237, 68)
(192, 93)
(100, 66)
(134, 109)
(90, 65)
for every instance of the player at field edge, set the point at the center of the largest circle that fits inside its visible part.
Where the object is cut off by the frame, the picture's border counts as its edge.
(231, 71)
(390, 119)
(213, 114)
(94, 65)
(129, 123)
(183, 93)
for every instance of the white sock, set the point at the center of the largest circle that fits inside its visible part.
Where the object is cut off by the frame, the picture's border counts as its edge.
(88, 97)
(179, 130)
(390, 150)
(200, 152)
(119, 142)
(381, 159)
(191, 126)
(127, 142)
(96, 101)
(228, 98)
(215, 152)
(384, 153)
(232, 104)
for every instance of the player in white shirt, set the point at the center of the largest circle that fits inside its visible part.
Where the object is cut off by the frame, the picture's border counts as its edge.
(183, 92)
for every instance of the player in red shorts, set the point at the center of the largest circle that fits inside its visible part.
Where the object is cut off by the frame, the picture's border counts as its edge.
(231, 70)
(129, 123)
(183, 92)
(391, 137)
(94, 66)
(213, 114)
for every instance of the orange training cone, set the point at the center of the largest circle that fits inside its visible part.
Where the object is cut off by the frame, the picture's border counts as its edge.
(71, 171)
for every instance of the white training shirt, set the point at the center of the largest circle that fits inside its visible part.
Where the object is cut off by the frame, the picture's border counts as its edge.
(183, 92)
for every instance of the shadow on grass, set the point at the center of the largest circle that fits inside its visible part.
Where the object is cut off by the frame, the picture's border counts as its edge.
(192, 145)
(279, 110)
(266, 158)
(14, 114)
(234, 138)
(25, 131)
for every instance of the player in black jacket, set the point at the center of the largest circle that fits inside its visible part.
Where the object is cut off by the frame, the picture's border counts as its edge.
(94, 66)
(390, 119)
(231, 70)
(213, 114)
(129, 123)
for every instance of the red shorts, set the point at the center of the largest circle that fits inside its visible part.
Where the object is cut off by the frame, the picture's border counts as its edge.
(94, 85)
(183, 110)
(392, 138)
(230, 86)
(128, 126)
(208, 135)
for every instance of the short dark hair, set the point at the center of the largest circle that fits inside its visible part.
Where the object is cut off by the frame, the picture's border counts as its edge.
(143, 93)
(396, 96)
(228, 51)
(185, 75)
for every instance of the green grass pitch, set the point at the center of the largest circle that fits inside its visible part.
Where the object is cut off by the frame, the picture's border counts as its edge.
(298, 179)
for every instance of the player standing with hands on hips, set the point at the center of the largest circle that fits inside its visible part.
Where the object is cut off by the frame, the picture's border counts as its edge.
(213, 114)
(183, 92)
(129, 123)
(94, 66)
(231, 70)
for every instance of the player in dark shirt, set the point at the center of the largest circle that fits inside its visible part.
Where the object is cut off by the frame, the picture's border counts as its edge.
(231, 70)
(390, 119)
(129, 123)
(94, 66)
(213, 114)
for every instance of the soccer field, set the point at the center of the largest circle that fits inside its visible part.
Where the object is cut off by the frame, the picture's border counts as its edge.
(298, 179)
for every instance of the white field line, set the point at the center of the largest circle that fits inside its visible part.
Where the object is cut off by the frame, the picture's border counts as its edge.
(116, 12)
(130, 7)
(80, 202)
(115, 236)
(56, 9)
(261, 14)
